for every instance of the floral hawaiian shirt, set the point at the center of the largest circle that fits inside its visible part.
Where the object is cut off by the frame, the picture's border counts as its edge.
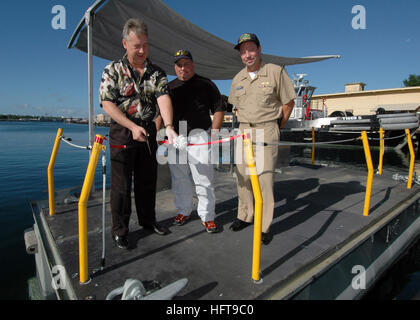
(135, 95)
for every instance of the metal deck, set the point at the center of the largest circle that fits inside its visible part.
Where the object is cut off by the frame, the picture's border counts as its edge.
(318, 213)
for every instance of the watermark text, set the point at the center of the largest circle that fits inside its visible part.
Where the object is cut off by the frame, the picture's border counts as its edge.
(359, 20)
(59, 20)
(359, 280)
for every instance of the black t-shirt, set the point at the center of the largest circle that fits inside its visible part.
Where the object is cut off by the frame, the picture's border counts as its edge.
(193, 100)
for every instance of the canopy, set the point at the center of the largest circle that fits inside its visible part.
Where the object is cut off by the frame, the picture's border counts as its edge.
(214, 57)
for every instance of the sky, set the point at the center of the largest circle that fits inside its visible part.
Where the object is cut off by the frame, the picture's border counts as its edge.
(380, 48)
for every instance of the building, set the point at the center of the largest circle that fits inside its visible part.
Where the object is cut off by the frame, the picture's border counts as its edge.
(102, 120)
(359, 101)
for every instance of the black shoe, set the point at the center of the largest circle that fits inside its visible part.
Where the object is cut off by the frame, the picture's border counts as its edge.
(238, 225)
(157, 228)
(266, 237)
(121, 242)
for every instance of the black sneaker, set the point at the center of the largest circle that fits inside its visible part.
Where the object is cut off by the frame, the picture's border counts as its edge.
(266, 237)
(157, 228)
(121, 242)
(238, 225)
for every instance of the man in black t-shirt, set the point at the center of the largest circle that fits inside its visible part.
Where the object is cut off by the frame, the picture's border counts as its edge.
(193, 98)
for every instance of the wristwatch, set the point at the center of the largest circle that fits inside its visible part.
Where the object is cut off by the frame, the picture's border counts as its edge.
(169, 125)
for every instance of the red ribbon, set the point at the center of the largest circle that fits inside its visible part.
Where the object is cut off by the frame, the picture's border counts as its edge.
(245, 136)
(212, 142)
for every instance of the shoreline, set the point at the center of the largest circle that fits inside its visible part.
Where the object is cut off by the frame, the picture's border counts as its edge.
(60, 120)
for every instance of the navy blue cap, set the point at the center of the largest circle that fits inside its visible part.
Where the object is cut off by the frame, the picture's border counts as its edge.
(182, 54)
(245, 37)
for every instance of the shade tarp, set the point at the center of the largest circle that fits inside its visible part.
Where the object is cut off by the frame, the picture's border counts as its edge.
(214, 57)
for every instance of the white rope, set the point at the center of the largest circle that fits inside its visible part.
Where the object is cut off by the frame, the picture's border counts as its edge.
(390, 138)
(354, 132)
(74, 145)
(303, 143)
(326, 142)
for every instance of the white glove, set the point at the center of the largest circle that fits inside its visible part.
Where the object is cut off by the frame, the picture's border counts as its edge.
(180, 143)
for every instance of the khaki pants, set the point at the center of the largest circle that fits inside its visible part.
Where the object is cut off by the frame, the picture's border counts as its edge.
(266, 159)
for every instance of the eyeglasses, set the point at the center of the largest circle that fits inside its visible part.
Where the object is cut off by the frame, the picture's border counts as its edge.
(182, 53)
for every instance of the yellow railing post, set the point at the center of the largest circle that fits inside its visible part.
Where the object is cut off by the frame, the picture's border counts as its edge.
(313, 145)
(412, 158)
(51, 198)
(370, 173)
(256, 258)
(83, 201)
(381, 150)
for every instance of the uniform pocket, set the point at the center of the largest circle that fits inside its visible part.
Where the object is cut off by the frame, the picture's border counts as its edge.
(240, 96)
(267, 89)
(266, 95)
(240, 92)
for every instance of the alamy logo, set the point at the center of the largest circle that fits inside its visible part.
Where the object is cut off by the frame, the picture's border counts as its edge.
(359, 281)
(58, 277)
(213, 148)
(59, 20)
(359, 20)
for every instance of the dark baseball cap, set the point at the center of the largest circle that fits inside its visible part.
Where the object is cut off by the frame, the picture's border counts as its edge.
(182, 54)
(245, 37)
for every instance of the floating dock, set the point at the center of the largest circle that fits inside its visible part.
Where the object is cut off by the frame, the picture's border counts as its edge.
(323, 245)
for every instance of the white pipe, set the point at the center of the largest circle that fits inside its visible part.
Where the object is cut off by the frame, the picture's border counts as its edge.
(88, 21)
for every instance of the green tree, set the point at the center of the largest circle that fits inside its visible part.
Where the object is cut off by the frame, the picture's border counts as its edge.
(412, 81)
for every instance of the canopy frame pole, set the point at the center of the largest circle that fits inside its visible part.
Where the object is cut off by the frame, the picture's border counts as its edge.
(88, 22)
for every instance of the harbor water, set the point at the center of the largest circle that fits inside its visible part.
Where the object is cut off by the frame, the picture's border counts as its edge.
(25, 153)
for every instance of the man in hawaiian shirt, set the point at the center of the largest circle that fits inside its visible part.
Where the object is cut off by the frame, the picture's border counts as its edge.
(133, 91)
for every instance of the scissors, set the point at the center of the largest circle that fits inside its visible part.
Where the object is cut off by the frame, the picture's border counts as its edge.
(147, 142)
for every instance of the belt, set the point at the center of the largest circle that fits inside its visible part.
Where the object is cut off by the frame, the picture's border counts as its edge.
(259, 124)
(143, 123)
